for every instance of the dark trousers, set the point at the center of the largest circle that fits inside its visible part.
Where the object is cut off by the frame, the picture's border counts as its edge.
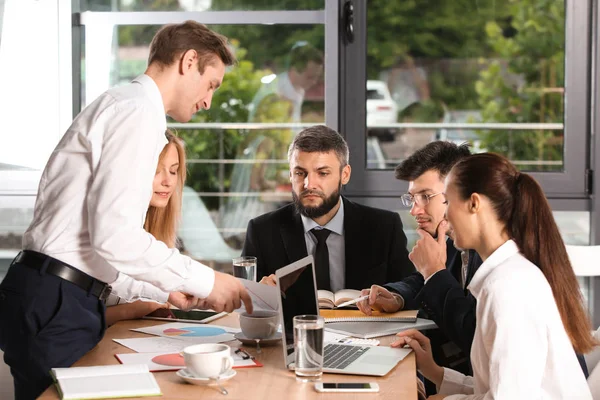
(45, 322)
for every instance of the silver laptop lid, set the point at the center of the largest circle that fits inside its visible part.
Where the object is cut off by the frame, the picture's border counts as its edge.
(297, 286)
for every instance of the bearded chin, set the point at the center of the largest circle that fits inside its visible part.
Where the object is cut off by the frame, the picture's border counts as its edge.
(315, 212)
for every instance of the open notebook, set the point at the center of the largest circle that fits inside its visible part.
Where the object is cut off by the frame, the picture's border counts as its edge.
(357, 316)
(103, 382)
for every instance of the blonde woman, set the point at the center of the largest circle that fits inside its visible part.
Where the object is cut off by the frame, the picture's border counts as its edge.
(162, 220)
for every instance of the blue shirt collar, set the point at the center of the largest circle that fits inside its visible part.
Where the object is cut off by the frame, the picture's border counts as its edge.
(335, 225)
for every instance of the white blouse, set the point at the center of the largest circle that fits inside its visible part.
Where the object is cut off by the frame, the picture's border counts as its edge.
(520, 349)
(94, 194)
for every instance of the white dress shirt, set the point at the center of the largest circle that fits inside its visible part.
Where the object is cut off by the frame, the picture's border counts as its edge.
(521, 349)
(336, 246)
(94, 194)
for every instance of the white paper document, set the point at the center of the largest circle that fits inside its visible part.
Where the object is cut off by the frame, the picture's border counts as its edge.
(173, 361)
(264, 297)
(191, 333)
(153, 344)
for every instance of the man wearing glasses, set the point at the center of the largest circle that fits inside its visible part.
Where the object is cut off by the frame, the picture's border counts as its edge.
(438, 289)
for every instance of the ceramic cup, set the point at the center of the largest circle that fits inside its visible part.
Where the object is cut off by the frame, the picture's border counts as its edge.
(208, 360)
(259, 324)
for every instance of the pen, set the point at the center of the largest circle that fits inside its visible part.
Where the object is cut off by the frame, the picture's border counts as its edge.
(243, 354)
(353, 301)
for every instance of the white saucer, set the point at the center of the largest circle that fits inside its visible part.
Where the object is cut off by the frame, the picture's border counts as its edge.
(189, 378)
(263, 342)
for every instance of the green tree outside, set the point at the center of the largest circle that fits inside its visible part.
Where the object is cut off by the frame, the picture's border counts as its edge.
(525, 83)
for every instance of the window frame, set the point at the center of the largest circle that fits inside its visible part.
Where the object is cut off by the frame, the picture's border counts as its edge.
(571, 184)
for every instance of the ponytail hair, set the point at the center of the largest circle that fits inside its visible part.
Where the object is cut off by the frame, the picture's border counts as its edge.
(520, 204)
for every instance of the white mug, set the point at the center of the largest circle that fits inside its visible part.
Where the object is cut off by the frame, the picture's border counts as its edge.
(208, 360)
(259, 324)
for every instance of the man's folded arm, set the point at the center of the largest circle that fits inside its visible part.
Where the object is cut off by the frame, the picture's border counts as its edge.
(451, 307)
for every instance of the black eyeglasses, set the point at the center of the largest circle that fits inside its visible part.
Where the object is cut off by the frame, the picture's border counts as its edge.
(421, 199)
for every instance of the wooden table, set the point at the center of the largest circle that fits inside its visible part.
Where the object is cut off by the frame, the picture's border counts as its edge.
(272, 381)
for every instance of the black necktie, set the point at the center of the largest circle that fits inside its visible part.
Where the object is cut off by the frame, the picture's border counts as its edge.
(322, 258)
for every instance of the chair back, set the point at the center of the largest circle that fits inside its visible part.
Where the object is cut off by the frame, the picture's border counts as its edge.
(584, 259)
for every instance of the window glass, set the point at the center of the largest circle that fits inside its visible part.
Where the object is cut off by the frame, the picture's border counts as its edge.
(235, 172)
(16, 214)
(200, 5)
(449, 64)
(574, 227)
(29, 106)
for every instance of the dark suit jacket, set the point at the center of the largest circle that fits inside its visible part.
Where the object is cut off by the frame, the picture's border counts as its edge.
(374, 240)
(443, 299)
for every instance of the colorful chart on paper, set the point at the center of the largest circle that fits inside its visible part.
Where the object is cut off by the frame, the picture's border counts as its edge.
(172, 360)
(194, 331)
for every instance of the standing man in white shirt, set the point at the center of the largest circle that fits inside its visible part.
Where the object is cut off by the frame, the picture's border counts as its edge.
(87, 231)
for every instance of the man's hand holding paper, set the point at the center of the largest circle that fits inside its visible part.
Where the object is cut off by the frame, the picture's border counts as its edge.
(263, 297)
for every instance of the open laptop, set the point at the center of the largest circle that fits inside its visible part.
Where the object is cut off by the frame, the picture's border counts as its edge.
(298, 295)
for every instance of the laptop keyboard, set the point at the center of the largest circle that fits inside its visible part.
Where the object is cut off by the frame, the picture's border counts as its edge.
(339, 356)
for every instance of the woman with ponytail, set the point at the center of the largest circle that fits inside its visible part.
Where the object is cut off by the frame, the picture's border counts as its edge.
(530, 314)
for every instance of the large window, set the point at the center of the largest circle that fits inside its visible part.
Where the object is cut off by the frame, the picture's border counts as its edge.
(237, 150)
(508, 77)
(490, 73)
(35, 107)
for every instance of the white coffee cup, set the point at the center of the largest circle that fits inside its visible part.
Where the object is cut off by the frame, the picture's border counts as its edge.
(208, 360)
(259, 324)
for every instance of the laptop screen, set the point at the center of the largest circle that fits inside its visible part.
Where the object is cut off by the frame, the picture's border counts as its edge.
(297, 287)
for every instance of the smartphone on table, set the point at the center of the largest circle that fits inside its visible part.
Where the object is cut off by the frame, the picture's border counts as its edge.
(345, 387)
(175, 315)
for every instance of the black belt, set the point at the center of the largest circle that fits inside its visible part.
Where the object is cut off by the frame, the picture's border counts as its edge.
(63, 270)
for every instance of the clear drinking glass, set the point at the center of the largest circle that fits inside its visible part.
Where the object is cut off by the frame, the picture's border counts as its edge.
(308, 347)
(245, 267)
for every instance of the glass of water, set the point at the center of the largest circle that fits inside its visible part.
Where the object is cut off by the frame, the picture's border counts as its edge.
(308, 347)
(245, 267)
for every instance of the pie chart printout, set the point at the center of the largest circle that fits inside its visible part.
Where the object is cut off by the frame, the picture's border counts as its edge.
(171, 360)
(194, 331)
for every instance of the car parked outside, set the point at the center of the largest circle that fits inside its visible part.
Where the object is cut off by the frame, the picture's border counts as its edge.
(381, 110)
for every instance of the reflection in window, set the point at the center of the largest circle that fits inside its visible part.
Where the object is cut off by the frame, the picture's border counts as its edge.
(237, 172)
(460, 63)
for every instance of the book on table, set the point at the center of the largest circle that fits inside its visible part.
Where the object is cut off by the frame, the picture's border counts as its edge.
(376, 316)
(104, 382)
(329, 300)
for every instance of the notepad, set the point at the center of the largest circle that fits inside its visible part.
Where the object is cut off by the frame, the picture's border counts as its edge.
(367, 330)
(357, 316)
(103, 382)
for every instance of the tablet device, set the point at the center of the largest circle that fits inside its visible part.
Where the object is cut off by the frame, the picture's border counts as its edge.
(175, 315)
